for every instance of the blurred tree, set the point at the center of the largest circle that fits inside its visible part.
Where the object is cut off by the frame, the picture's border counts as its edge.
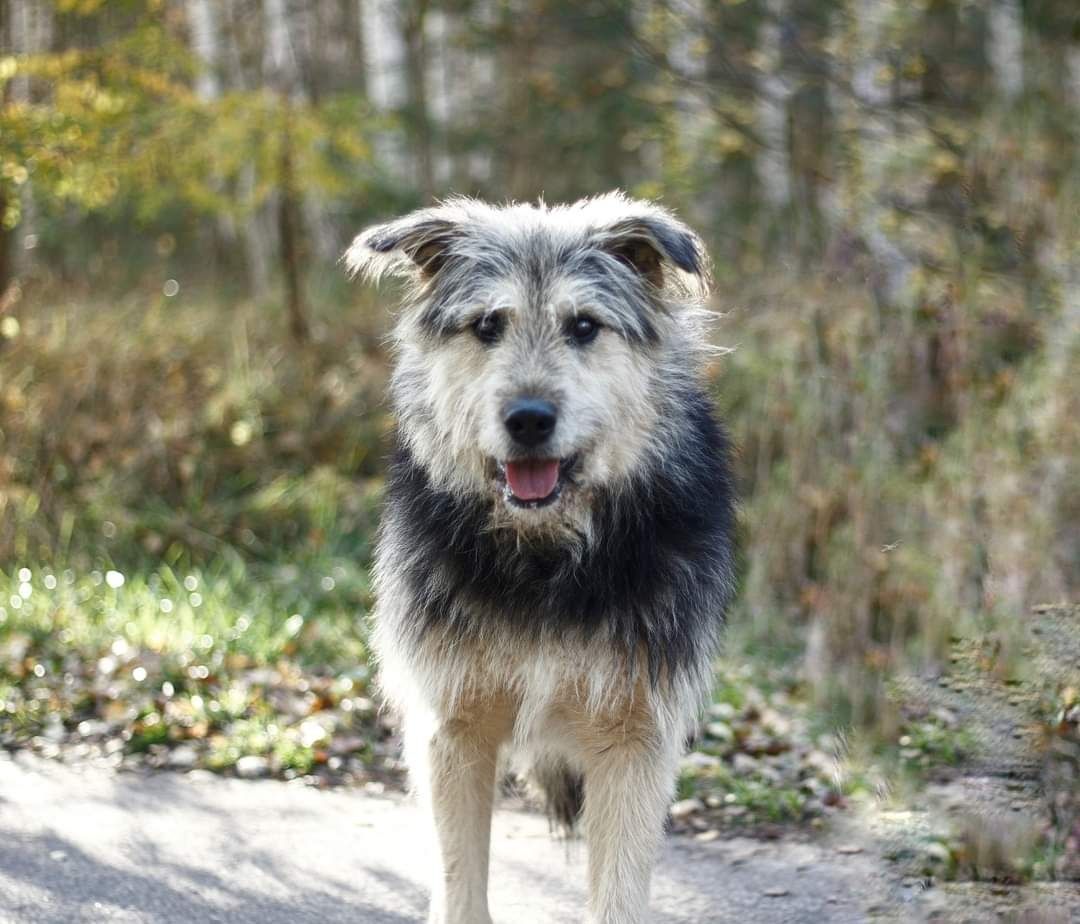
(776, 123)
(134, 84)
(284, 78)
(414, 26)
(25, 28)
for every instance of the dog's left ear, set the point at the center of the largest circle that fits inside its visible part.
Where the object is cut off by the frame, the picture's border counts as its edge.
(416, 245)
(659, 246)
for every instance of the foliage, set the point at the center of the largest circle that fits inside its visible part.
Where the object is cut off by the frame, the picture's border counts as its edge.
(758, 761)
(110, 118)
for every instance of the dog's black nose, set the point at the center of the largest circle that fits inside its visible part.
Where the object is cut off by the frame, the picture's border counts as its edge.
(530, 421)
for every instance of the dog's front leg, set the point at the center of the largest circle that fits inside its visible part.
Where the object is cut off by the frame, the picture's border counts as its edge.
(452, 762)
(628, 787)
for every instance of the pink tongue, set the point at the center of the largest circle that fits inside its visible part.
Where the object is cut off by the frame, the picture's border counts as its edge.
(532, 479)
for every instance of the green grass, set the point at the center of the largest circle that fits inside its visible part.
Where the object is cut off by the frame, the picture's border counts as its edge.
(209, 615)
(227, 660)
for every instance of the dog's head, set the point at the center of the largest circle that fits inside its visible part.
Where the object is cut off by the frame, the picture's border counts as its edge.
(541, 349)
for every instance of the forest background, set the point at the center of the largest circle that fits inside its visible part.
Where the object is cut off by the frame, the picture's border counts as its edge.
(192, 427)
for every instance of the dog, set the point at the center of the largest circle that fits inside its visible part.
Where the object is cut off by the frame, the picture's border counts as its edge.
(555, 554)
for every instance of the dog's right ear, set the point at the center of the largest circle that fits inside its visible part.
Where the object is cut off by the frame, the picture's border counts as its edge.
(416, 245)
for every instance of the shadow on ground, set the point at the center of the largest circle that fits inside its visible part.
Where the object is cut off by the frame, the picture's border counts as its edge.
(83, 843)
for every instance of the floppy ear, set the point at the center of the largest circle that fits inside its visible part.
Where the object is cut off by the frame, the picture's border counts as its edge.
(416, 244)
(660, 248)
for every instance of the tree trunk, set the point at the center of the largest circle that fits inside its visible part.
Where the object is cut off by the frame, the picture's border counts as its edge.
(28, 30)
(515, 159)
(353, 23)
(413, 18)
(206, 43)
(284, 77)
(288, 230)
(774, 91)
(1005, 47)
(7, 273)
(1066, 262)
(809, 124)
(255, 223)
(439, 34)
(874, 142)
(310, 77)
(7, 270)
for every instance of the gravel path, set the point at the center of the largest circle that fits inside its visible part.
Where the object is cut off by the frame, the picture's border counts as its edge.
(81, 843)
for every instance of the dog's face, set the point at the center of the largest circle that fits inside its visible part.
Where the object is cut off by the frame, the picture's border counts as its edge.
(538, 345)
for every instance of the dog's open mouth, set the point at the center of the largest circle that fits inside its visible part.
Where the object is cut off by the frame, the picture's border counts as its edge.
(534, 483)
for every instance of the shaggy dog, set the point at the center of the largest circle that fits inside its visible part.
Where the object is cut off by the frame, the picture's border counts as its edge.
(555, 554)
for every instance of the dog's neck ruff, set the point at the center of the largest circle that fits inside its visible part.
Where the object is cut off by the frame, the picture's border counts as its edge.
(655, 576)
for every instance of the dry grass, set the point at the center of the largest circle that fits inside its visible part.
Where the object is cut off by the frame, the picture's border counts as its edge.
(908, 476)
(169, 429)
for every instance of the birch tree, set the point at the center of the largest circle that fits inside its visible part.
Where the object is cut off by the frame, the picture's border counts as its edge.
(384, 58)
(256, 229)
(1006, 47)
(874, 144)
(774, 92)
(28, 27)
(206, 43)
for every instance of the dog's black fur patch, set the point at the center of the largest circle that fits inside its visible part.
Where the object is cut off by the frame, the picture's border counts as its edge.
(656, 577)
(564, 794)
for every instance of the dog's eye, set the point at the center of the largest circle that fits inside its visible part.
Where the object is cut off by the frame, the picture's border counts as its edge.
(489, 328)
(582, 330)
